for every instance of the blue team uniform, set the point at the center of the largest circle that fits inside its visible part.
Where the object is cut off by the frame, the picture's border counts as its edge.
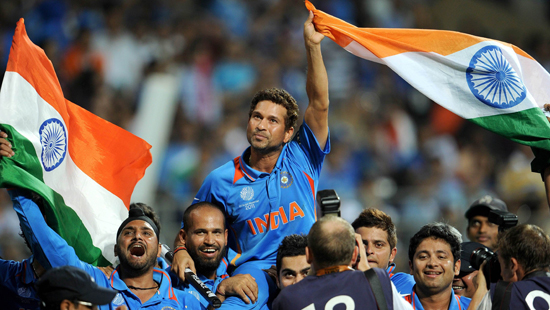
(403, 282)
(17, 285)
(51, 251)
(262, 208)
(221, 274)
(457, 302)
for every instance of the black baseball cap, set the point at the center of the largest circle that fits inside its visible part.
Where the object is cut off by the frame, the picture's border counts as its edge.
(484, 205)
(466, 253)
(71, 283)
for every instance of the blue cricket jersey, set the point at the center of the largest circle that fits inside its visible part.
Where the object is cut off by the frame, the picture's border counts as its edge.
(221, 274)
(262, 208)
(51, 250)
(457, 302)
(403, 282)
(17, 285)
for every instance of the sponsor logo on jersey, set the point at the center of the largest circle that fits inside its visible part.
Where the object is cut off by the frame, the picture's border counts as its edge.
(118, 300)
(272, 220)
(286, 179)
(24, 292)
(168, 308)
(247, 193)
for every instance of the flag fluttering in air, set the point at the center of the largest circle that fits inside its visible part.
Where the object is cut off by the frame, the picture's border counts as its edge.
(491, 83)
(84, 167)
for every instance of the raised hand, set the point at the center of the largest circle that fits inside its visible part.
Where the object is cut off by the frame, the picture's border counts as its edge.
(5, 145)
(311, 36)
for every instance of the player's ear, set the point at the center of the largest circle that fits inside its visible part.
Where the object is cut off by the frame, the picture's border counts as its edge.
(115, 250)
(392, 254)
(309, 255)
(354, 256)
(182, 235)
(457, 267)
(288, 134)
(226, 232)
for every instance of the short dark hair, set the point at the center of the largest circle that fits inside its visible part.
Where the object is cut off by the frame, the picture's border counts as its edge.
(281, 97)
(331, 246)
(437, 230)
(149, 212)
(375, 218)
(528, 244)
(187, 214)
(292, 245)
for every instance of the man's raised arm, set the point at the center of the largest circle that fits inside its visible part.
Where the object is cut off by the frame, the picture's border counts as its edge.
(316, 115)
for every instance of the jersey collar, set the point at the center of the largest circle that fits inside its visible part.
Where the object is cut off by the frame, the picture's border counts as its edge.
(453, 305)
(160, 276)
(253, 174)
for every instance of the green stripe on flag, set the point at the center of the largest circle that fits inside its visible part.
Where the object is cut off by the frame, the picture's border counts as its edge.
(24, 170)
(529, 127)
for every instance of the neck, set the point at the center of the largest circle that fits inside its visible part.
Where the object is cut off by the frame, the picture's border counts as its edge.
(434, 301)
(136, 279)
(333, 269)
(264, 162)
(211, 275)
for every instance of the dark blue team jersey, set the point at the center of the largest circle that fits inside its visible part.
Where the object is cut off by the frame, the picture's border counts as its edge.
(530, 293)
(17, 287)
(341, 290)
(262, 208)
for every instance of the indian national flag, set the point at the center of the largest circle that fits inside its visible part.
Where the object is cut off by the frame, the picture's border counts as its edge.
(491, 83)
(83, 166)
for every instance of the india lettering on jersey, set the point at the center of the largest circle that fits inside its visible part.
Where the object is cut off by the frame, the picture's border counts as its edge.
(272, 220)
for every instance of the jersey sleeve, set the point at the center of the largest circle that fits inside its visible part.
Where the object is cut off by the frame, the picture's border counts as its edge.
(47, 246)
(308, 143)
(8, 270)
(403, 282)
(399, 303)
(210, 192)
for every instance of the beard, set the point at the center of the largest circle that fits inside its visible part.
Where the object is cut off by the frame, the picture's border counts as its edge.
(136, 268)
(206, 266)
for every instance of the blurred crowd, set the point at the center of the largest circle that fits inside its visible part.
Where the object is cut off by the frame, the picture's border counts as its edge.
(392, 148)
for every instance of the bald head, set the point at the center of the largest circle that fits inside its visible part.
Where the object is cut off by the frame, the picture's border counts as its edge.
(331, 241)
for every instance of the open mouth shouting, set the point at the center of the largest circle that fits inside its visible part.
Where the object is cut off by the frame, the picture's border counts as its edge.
(137, 250)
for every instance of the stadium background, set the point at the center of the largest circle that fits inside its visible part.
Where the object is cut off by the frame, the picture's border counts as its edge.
(392, 148)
